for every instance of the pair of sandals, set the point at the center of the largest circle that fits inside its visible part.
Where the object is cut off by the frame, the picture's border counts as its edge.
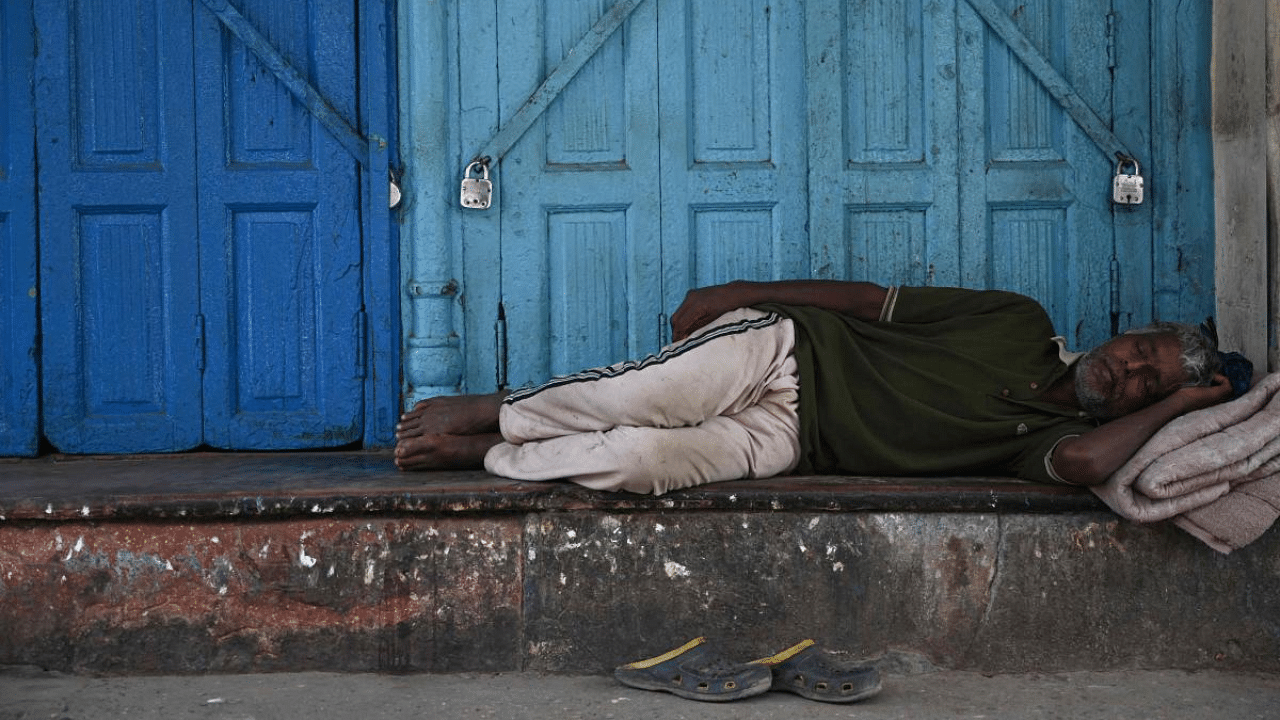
(697, 671)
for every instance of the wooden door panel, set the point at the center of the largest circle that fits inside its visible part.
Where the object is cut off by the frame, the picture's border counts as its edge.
(1036, 213)
(280, 235)
(117, 207)
(883, 151)
(732, 144)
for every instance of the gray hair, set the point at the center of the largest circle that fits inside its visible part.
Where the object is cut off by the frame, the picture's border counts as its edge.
(1199, 356)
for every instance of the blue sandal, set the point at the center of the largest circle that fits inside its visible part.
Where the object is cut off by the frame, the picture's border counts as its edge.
(808, 672)
(697, 672)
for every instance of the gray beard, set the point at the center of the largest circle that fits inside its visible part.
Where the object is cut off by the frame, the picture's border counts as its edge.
(1090, 397)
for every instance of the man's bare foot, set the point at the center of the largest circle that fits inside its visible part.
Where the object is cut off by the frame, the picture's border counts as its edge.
(451, 415)
(444, 452)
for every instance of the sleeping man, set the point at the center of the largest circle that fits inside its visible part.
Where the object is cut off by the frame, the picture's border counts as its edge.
(833, 377)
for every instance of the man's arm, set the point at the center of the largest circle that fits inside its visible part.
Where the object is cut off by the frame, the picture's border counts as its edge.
(1091, 458)
(857, 299)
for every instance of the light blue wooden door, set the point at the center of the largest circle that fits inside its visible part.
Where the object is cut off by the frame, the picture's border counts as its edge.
(898, 141)
(675, 158)
(201, 251)
(19, 411)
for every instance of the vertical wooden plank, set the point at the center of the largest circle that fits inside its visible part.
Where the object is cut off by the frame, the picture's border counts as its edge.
(281, 273)
(524, 60)
(19, 409)
(1082, 289)
(1239, 161)
(1136, 251)
(1179, 182)
(378, 107)
(473, 77)
(118, 263)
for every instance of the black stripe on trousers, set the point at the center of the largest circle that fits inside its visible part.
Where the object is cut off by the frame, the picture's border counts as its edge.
(671, 352)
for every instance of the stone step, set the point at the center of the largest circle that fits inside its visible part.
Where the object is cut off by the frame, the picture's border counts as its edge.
(337, 562)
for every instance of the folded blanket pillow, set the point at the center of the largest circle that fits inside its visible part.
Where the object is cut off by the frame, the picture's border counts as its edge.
(1200, 457)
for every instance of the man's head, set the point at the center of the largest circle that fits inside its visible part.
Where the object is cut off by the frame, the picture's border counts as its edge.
(1142, 366)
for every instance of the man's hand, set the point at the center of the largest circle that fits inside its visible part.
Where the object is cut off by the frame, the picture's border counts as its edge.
(1091, 458)
(1200, 397)
(703, 305)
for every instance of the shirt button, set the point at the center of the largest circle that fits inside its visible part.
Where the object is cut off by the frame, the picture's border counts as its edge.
(1035, 385)
(1005, 392)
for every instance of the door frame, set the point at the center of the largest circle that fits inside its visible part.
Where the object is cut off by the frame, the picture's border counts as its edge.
(19, 298)
(380, 223)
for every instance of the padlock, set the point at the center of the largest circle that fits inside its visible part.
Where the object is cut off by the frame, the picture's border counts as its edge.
(1126, 189)
(476, 191)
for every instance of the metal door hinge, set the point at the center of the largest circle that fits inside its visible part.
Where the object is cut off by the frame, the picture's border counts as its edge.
(1111, 41)
(1115, 295)
(500, 347)
(200, 342)
(362, 343)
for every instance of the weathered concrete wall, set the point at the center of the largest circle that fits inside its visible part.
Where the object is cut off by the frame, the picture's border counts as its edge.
(584, 591)
(347, 594)
(976, 591)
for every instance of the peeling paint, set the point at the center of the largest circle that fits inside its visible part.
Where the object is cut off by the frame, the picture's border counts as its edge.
(675, 569)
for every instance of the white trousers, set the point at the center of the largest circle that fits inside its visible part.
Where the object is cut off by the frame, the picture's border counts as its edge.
(720, 405)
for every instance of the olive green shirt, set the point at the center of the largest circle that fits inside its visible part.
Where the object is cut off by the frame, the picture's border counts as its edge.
(946, 382)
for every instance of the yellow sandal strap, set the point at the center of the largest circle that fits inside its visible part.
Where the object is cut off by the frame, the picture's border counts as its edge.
(642, 664)
(787, 654)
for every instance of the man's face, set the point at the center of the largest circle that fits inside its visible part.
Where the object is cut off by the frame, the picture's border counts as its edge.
(1128, 373)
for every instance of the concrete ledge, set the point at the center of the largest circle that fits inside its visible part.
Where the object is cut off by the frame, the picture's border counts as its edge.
(338, 562)
(228, 485)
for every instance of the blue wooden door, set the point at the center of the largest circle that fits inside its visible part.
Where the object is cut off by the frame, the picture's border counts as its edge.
(18, 299)
(898, 141)
(279, 226)
(675, 158)
(733, 144)
(201, 275)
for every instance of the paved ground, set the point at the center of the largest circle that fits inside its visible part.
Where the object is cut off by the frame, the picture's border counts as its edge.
(31, 694)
